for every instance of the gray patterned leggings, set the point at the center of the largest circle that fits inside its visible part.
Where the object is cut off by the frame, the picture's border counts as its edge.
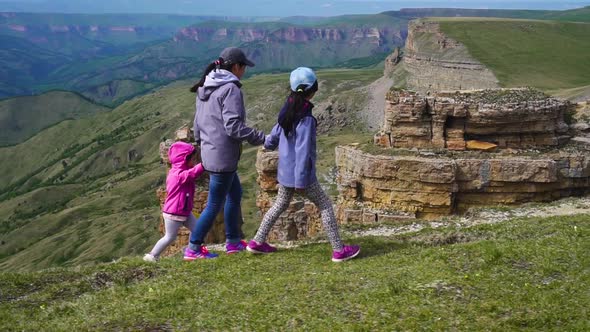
(315, 194)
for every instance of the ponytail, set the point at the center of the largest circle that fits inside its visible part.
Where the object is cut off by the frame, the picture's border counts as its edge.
(295, 103)
(215, 65)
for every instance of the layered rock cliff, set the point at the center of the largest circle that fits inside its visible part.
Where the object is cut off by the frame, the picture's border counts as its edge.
(508, 118)
(378, 36)
(434, 62)
(376, 188)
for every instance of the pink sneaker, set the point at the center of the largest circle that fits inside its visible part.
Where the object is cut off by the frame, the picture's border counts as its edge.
(232, 248)
(348, 252)
(262, 248)
(191, 255)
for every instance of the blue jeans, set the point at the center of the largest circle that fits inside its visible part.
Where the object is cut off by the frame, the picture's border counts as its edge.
(222, 187)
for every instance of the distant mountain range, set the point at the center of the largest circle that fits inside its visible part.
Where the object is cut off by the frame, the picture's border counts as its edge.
(109, 58)
(43, 52)
(267, 7)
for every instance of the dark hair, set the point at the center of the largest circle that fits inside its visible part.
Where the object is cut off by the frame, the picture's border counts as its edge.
(190, 156)
(295, 103)
(215, 65)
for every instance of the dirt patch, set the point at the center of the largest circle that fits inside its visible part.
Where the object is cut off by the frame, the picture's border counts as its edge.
(436, 240)
(141, 326)
(103, 279)
(373, 113)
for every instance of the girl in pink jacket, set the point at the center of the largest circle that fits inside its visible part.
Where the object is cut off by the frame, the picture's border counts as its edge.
(180, 188)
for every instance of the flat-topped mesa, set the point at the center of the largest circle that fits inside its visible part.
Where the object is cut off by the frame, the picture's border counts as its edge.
(506, 118)
(435, 62)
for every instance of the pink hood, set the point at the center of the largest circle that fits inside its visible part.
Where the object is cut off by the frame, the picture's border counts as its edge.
(178, 153)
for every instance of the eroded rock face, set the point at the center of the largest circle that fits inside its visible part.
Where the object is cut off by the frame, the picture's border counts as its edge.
(217, 232)
(509, 118)
(301, 220)
(426, 187)
(435, 62)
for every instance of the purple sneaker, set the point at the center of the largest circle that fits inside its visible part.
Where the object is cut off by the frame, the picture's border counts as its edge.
(348, 252)
(191, 255)
(232, 248)
(262, 248)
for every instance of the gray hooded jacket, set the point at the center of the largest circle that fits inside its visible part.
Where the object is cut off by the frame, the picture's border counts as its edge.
(220, 122)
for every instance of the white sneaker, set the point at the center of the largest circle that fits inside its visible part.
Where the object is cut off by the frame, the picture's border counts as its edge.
(150, 258)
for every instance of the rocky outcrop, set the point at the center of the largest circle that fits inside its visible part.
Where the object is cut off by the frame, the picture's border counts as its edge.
(217, 232)
(435, 62)
(376, 188)
(291, 34)
(391, 61)
(508, 118)
(301, 220)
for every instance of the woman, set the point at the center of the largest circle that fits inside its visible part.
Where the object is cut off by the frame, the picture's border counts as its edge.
(220, 128)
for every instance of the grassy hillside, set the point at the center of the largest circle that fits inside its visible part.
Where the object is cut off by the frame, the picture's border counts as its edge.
(23, 117)
(573, 15)
(546, 55)
(528, 274)
(116, 92)
(88, 185)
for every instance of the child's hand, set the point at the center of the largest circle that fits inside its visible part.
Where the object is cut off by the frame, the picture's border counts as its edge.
(199, 170)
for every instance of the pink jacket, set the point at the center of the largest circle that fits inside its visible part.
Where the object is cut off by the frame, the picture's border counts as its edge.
(180, 183)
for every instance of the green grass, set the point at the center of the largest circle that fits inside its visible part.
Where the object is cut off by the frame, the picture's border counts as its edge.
(573, 15)
(544, 54)
(529, 275)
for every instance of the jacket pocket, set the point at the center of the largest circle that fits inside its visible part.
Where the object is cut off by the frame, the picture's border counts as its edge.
(186, 202)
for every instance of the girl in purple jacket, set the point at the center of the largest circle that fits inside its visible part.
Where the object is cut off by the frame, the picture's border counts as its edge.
(295, 136)
(180, 189)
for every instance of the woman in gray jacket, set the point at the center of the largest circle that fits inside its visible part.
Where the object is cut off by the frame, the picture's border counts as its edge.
(220, 128)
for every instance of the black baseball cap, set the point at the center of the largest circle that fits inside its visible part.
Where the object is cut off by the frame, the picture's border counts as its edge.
(235, 55)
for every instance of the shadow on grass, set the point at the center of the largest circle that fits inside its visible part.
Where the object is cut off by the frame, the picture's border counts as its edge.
(375, 247)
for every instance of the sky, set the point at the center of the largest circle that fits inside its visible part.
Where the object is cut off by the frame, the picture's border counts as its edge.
(269, 7)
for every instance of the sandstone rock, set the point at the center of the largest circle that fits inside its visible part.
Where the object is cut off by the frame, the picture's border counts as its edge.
(479, 145)
(430, 187)
(583, 142)
(184, 134)
(301, 220)
(446, 120)
(581, 126)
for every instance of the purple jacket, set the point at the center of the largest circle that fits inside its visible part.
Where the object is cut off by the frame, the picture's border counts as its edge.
(297, 152)
(220, 122)
(180, 183)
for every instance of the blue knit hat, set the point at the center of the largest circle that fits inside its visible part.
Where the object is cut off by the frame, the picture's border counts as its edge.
(302, 76)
